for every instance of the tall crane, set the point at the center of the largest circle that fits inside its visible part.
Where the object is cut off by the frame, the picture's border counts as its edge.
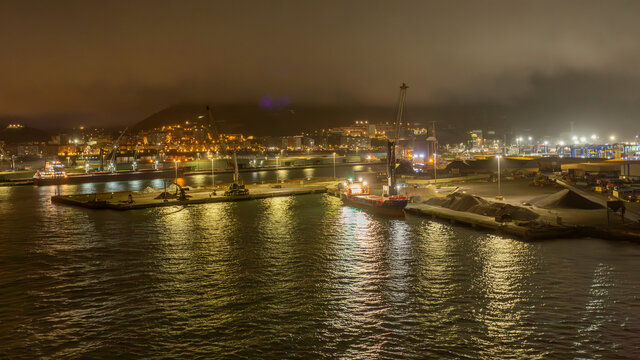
(134, 164)
(391, 145)
(235, 188)
(114, 152)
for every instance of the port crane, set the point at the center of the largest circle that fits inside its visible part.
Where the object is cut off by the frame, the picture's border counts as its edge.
(134, 164)
(114, 152)
(236, 188)
(392, 189)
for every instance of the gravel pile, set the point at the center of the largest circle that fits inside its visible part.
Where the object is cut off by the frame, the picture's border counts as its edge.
(565, 199)
(476, 205)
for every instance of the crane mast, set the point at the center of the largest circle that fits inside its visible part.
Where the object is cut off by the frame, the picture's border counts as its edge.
(391, 145)
(112, 162)
(215, 132)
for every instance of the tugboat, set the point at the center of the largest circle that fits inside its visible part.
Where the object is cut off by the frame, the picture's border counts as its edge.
(357, 193)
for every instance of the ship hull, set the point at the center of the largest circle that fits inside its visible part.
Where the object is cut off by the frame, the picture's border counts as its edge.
(376, 204)
(106, 177)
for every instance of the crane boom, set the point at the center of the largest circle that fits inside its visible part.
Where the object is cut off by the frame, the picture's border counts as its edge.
(213, 129)
(391, 145)
(399, 115)
(114, 153)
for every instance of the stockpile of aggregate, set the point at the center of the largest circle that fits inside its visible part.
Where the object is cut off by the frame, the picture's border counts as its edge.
(476, 205)
(147, 190)
(457, 201)
(418, 194)
(463, 202)
(505, 210)
(565, 199)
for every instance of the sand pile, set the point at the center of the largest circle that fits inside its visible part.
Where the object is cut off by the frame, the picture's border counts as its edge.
(418, 194)
(147, 190)
(167, 195)
(476, 205)
(565, 199)
(502, 210)
(457, 201)
(462, 202)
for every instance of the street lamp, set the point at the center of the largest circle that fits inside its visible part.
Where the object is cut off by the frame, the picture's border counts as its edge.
(499, 190)
(176, 165)
(334, 165)
(277, 172)
(213, 179)
(435, 167)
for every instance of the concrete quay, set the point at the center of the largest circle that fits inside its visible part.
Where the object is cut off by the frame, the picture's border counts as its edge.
(517, 228)
(149, 198)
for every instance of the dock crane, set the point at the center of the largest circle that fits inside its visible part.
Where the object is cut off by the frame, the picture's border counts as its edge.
(114, 152)
(236, 188)
(134, 164)
(391, 145)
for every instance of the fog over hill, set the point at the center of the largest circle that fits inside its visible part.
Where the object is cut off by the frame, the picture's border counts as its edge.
(521, 64)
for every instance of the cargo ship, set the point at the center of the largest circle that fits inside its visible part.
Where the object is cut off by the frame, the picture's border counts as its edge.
(357, 194)
(54, 174)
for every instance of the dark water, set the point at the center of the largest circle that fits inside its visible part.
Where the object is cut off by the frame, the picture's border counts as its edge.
(300, 277)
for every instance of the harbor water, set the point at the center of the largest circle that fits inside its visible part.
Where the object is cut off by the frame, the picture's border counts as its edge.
(299, 277)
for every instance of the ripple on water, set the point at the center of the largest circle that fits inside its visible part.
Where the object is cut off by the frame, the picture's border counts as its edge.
(301, 277)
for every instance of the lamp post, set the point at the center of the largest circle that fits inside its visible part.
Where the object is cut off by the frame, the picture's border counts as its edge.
(213, 179)
(435, 167)
(175, 162)
(277, 172)
(334, 165)
(499, 192)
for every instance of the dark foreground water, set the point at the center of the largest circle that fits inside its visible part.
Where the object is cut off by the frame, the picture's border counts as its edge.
(300, 277)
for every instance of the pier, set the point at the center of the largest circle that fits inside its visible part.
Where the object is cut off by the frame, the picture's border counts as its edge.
(150, 198)
(518, 228)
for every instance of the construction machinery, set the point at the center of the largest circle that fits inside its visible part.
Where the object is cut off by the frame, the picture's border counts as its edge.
(391, 188)
(236, 188)
(114, 152)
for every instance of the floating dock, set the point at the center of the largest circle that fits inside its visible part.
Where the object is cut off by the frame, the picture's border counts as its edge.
(130, 200)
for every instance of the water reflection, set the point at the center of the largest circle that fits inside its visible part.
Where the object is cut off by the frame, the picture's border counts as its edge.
(595, 315)
(506, 266)
(302, 277)
(361, 274)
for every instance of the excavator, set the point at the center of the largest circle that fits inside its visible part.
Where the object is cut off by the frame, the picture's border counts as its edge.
(236, 188)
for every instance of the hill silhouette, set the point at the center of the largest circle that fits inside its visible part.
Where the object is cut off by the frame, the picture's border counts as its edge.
(260, 121)
(23, 134)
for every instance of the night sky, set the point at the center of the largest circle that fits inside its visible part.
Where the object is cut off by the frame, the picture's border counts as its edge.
(530, 64)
